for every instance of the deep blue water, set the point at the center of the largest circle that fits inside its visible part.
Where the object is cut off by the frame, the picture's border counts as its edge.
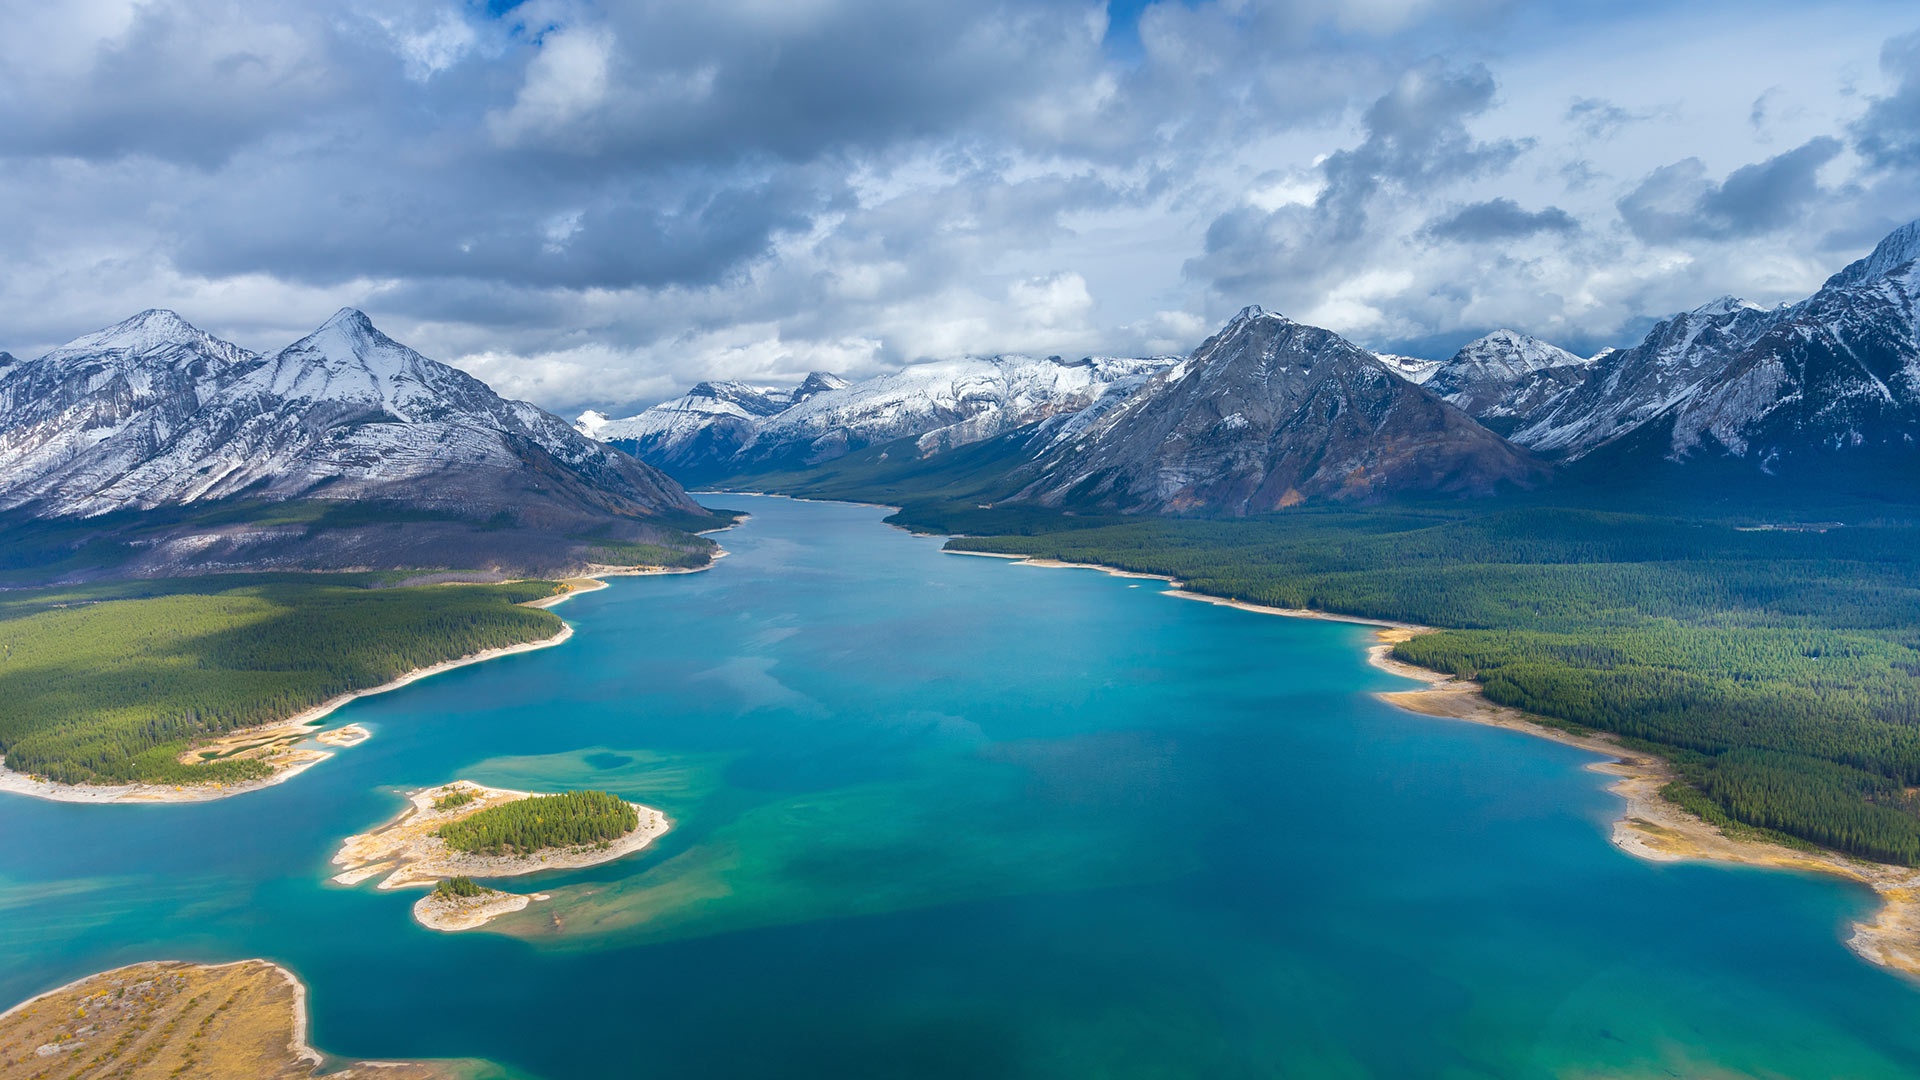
(953, 817)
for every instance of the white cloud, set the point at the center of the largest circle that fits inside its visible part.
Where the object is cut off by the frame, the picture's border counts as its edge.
(566, 79)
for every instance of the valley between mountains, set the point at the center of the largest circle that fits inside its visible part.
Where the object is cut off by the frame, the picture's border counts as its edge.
(1697, 551)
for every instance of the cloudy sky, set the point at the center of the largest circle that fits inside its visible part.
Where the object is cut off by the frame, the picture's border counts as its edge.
(600, 203)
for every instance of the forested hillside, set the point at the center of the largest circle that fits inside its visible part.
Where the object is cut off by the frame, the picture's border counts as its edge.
(1778, 668)
(110, 683)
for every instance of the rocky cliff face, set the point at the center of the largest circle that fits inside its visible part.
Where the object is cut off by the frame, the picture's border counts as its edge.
(1626, 389)
(1268, 414)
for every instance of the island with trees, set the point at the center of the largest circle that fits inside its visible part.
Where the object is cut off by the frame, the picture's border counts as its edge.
(452, 834)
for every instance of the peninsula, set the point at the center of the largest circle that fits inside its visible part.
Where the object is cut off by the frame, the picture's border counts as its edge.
(249, 757)
(451, 834)
(239, 1021)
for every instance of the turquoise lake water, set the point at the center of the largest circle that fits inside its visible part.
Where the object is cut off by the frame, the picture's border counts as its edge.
(941, 816)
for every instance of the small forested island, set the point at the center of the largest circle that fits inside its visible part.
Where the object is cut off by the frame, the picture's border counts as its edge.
(451, 834)
(239, 1021)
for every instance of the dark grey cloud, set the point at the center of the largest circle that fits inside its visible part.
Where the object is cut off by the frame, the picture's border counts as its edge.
(1499, 219)
(602, 199)
(1416, 140)
(1889, 134)
(1678, 201)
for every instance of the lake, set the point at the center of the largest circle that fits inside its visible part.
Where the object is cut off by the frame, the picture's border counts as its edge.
(940, 816)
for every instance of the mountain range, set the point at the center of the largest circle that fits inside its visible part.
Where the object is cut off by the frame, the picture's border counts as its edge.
(1270, 413)
(170, 442)
(153, 414)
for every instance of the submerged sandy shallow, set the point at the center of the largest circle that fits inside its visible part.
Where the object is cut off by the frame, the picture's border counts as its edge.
(1650, 826)
(409, 854)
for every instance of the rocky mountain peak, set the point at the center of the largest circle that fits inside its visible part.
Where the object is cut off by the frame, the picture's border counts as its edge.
(1898, 249)
(149, 334)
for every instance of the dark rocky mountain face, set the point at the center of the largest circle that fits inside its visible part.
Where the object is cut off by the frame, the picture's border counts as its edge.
(1268, 414)
(1837, 376)
(1827, 390)
(1628, 388)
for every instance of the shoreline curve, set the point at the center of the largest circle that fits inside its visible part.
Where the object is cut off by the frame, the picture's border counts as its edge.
(26, 785)
(1649, 826)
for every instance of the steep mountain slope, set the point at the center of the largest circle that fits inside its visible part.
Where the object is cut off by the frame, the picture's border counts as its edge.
(1267, 414)
(1626, 389)
(90, 411)
(1505, 378)
(148, 421)
(153, 412)
(1838, 375)
(1411, 368)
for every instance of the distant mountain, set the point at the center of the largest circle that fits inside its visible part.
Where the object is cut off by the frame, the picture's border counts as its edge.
(1507, 378)
(723, 429)
(1411, 368)
(1626, 389)
(152, 413)
(710, 424)
(1830, 384)
(1835, 378)
(1268, 414)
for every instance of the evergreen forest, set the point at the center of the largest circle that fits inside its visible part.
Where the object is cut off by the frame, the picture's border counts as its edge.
(522, 827)
(111, 683)
(1775, 663)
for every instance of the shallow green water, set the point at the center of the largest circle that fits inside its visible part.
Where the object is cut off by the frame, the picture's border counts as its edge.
(951, 817)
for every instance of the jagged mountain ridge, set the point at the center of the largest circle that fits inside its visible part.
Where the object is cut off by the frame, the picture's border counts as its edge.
(1837, 373)
(1505, 377)
(1266, 414)
(1678, 358)
(710, 423)
(153, 412)
(940, 405)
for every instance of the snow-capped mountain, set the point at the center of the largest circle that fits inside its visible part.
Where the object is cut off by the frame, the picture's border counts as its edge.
(1623, 390)
(1411, 368)
(710, 424)
(1834, 376)
(1267, 414)
(1506, 378)
(942, 405)
(152, 412)
(724, 428)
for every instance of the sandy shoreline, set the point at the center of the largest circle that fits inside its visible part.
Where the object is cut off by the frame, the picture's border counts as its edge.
(298, 725)
(410, 855)
(233, 1021)
(1649, 826)
(298, 728)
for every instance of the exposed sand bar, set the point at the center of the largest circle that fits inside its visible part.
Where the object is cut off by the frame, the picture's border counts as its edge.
(1650, 826)
(409, 854)
(240, 1021)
